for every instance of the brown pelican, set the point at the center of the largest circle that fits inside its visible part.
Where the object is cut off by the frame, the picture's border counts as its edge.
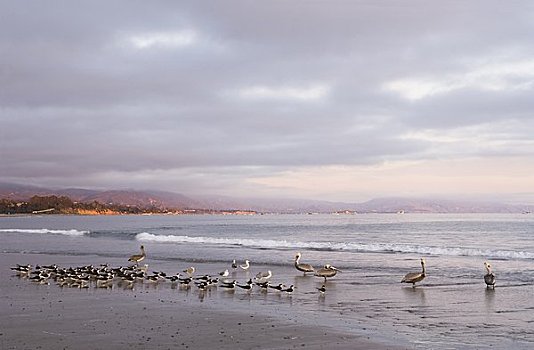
(489, 277)
(302, 267)
(137, 258)
(414, 277)
(327, 271)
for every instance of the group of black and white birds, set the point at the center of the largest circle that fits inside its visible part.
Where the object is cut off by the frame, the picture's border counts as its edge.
(105, 276)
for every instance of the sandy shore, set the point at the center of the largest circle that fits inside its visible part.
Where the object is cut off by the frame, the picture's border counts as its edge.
(49, 317)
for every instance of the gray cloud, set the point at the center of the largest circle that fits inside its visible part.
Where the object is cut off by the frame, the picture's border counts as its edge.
(131, 87)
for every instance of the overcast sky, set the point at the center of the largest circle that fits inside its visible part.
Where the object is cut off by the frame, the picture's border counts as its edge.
(334, 100)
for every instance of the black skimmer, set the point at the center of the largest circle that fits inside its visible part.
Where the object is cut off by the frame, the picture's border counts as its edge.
(246, 286)
(263, 285)
(289, 290)
(278, 287)
(230, 285)
(22, 270)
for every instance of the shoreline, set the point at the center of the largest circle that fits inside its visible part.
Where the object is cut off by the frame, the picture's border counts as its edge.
(50, 317)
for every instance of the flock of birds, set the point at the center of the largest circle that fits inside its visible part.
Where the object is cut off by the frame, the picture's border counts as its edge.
(105, 276)
(414, 277)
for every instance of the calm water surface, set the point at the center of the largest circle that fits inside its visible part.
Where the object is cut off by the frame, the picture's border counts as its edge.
(451, 309)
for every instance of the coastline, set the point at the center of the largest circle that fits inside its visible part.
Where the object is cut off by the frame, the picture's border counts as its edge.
(50, 317)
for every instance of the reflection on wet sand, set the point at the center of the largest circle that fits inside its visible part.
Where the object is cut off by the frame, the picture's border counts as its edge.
(489, 299)
(415, 295)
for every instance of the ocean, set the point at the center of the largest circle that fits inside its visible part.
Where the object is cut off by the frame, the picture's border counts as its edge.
(450, 309)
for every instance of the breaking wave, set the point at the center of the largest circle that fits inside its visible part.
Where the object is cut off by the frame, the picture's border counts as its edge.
(338, 246)
(46, 231)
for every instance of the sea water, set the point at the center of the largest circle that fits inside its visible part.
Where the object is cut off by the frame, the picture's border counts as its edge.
(451, 308)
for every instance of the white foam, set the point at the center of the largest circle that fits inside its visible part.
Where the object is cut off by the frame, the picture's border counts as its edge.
(46, 231)
(339, 246)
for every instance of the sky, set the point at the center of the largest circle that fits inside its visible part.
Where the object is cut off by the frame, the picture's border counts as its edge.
(331, 100)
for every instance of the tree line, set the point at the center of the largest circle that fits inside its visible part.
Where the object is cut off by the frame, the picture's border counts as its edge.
(65, 205)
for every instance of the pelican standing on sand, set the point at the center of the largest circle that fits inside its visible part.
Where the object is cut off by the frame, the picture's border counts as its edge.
(302, 267)
(489, 277)
(137, 258)
(414, 277)
(327, 271)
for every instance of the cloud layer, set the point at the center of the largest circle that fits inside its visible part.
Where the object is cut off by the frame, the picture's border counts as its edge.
(309, 99)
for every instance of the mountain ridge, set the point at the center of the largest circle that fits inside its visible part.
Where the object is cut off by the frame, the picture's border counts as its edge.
(171, 200)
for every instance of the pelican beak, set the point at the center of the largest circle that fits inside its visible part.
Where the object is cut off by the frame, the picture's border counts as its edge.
(335, 268)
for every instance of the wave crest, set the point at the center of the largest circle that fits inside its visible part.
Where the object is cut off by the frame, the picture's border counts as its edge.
(46, 231)
(340, 246)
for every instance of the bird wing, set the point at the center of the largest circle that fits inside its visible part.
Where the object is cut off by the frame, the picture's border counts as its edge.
(305, 267)
(412, 276)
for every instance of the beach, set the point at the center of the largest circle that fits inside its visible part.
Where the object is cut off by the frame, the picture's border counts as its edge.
(37, 316)
(364, 305)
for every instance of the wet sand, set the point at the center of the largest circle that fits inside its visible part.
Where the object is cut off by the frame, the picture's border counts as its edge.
(49, 317)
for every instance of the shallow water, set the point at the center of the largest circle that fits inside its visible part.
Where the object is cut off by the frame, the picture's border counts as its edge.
(451, 309)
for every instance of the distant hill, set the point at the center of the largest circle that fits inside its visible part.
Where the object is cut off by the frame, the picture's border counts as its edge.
(421, 205)
(161, 199)
(142, 199)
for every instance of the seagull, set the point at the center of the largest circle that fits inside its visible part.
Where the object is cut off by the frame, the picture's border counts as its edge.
(263, 277)
(190, 271)
(234, 264)
(302, 267)
(137, 258)
(322, 290)
(414, 277)
(327, 271)
(224, 273)
(489, 277)
(246, 266)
